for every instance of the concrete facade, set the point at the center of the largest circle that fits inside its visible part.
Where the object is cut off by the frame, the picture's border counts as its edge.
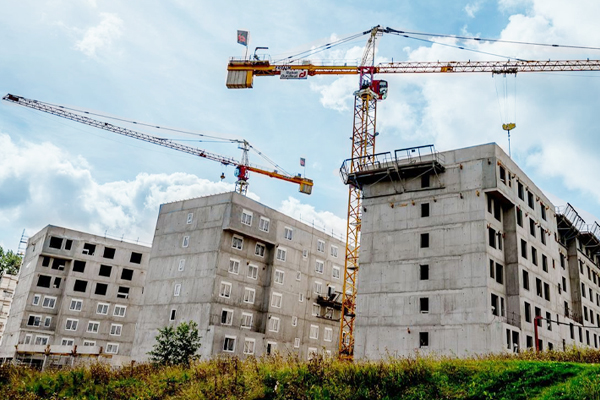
(8, 284)
(255, 280)
(78, 294)
(460, 251)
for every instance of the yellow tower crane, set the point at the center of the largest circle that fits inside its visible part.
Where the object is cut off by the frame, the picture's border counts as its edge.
(241, 73)
(242, 169)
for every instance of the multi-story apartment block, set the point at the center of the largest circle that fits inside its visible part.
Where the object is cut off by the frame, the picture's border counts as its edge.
(8, 284)
(460, 252)
(78, 295)
(255, 281)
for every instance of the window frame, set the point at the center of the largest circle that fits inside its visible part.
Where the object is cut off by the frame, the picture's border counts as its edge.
(80, 301)
(274, 303)
(246, 218)
(226, 294)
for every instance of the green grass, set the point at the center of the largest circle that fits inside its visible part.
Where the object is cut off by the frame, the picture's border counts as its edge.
(573, 374)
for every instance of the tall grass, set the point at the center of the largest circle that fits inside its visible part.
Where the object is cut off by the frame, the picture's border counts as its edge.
(572, 374)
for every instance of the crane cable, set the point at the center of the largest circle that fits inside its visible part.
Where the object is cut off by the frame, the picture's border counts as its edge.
(217, 139)
(390, 30)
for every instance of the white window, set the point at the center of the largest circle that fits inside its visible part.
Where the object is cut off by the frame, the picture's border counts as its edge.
(49, 302)
(314, 332)
(288, 233)
(27, 339)
(226, 316)
(229, 344)
(335, 272)
(115, 329)
(41, 340)
(281, 254)
(304, 253)
(76, 305)
(334, 251)
(234, 266)
(279, 274)
(294, 321)
(320, 246)
(89, 343)
(316, 310)
(252, 271)
(276, 300)
(186, 241)
(102, 308)
(181, 265)
(93, 326)
(247, 217)
(297, 342)
(247, 320)
(34, 320)
(249, 295)
(260, 250)
(71, 324)
(190, 218)
(312, 353)
(47, 321)
(263, 224)
(328, 335)
(318, 287)
(36, 299)
(319, 266)
(274, 324)
(225, 290)
(112, 348)
(177, 290)
(249, 346)
(119, 311)
(237, 242)
(298, 275)
(67, 342)
(301, 297)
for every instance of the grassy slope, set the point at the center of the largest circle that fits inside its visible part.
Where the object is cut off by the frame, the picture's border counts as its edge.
(570, 375)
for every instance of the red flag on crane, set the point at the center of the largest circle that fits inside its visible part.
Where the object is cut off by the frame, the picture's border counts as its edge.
(242, 38)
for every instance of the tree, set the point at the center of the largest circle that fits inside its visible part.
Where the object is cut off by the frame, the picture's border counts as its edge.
(176, 346)
(9, 262)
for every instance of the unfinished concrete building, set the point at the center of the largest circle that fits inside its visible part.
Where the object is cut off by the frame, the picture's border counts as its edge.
(8, 284)
(460, 251)
(78, 296)
(255, 281)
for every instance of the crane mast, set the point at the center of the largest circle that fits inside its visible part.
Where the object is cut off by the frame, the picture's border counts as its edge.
(241, 73)
(242, 168)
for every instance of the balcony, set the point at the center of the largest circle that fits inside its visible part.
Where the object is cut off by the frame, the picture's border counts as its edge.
(402, 164)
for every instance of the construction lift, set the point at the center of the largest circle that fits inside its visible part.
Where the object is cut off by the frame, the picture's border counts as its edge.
(241, 73)
(242, 168)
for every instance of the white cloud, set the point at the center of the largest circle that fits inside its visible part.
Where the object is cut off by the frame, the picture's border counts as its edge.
(510, 5)
(323, 220)
(338, 94)
(472, 8)
(100, 36)
(41, 184)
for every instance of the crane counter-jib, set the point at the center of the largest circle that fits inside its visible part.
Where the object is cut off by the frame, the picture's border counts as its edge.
(241, 73)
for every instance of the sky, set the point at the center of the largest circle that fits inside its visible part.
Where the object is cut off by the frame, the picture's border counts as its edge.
(164, 63)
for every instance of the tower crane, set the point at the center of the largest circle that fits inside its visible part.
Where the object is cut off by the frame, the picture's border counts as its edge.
(243, 167)
(241, 73)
